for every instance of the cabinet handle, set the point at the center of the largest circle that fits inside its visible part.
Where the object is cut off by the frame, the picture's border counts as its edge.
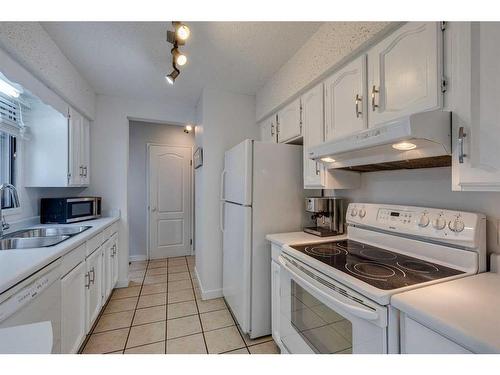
(358, 100)
(85, 171)
(461, 137)
(87, 280)
(317, 169)
(374, 92)
(272, 130)
(92, 280)
(81, 170)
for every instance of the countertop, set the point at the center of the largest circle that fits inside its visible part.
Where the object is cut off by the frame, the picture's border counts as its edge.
(295, 238)
(16, 265)
(467, 310)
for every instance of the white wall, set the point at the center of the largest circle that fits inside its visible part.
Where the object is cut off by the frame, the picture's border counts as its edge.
(427, 187)
(140, 134)
(32, 47)
(325, 50)
(224, 120)
(110, 152)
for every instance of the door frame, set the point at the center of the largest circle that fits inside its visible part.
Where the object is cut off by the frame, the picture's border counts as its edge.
(191, 188)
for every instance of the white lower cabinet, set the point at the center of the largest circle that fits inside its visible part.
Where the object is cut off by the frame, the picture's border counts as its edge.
(73, 325)
(275, 300)
(110, 249)
(115, 264)
(94, 286)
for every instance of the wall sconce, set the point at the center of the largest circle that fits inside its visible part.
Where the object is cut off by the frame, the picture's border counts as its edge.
(188, 129)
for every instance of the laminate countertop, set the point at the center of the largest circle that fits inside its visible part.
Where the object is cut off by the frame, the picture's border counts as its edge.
(296, 238)
(17, 265)
(466, 310)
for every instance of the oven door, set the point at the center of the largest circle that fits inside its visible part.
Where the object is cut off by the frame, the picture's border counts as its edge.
(319, 315)
(79, 209)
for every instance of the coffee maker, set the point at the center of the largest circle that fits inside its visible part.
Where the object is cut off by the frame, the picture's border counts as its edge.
(328, 215)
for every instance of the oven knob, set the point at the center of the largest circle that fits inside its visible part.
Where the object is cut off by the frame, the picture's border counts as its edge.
(456, 225)
(354, 212)
(362, 213)
(423, 221)
(439, 223)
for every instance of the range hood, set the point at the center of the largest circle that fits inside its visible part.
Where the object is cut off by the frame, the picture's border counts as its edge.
(420, 140)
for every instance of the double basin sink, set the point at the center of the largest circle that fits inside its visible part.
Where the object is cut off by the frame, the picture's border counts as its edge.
(39, 237)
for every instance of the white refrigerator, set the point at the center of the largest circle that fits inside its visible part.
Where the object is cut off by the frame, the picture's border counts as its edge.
(261, 193)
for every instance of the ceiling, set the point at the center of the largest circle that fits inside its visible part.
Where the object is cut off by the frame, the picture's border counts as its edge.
(131, 59)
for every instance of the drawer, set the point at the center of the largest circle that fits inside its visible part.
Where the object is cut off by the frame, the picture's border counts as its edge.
(94, 242)
(109, 231)
(72, 259)
(275, 252)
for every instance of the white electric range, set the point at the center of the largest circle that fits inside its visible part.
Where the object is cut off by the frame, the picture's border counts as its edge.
(335, 296)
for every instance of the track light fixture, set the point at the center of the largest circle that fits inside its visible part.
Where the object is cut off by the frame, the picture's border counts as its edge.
(178, 38)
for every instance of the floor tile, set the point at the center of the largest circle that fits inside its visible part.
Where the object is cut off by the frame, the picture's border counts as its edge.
(150, 300)
(223, 340)
(197, 293)
(180, 296)
(136, 274)
(156, 348)
(238, 351)
(178, 276)
(131, 291)
(156, 279)
(150, 315)
(211, 305)
(106, 342)
(177, 262)
(112, 321)
(193, 344)
(123, 304)
(135, 282)
(156, 271)
(266, 348)
(177, 269)
(178, 310)
(174, 286)
(146, 334)
(258, 340)
(137, 267)
(216, 319)
(183, 326)
(157, 264)
(154, 289)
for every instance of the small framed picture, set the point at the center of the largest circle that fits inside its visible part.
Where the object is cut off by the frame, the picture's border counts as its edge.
(198, 158)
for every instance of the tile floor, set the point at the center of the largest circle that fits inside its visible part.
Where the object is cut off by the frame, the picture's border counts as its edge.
(162, 312)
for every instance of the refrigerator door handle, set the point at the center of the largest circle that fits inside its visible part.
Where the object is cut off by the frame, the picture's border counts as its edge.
(221, 216)
(222, 182)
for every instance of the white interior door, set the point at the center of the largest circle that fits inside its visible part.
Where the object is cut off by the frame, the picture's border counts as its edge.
(169, 201)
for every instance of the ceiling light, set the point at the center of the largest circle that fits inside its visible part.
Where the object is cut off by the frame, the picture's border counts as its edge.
(328, 160)
(404, 146)
(179, 58)
(188, 128)
(9, 90)
(182, 32)
(172, 76)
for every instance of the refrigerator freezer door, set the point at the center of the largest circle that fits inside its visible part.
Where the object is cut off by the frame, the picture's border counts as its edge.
(236, 179)
(236, 263)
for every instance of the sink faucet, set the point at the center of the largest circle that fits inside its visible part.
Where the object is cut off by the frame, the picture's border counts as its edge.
(15, 203)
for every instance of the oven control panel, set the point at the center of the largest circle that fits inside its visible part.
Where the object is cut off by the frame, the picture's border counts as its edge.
(447, 225)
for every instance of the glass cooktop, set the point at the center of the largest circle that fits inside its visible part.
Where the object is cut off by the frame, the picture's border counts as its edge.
(380, 268)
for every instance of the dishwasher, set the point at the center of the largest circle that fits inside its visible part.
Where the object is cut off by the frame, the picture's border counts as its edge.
(34, 300)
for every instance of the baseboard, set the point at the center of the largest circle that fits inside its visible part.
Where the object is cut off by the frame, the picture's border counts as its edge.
(137, 258)
(207, 294)
(122, 283)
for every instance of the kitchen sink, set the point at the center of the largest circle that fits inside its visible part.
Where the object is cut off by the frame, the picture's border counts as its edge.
(30, 243)
(47, 232)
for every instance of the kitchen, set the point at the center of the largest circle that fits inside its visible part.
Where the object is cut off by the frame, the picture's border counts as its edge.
(283, 187)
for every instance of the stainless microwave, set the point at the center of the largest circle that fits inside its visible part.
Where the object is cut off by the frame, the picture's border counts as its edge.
(69, 210)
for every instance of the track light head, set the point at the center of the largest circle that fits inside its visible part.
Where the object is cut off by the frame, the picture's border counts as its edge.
(172, 76)
(179, 58)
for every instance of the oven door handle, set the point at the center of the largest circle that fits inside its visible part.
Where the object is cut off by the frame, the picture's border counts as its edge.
(354, 310)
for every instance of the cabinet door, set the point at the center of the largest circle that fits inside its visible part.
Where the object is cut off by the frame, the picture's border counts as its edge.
(345, 100)
(73, 325)
(268, 130)
(108, 268)
(275, 300)
(289, 122)
(94, 291)
(313, 128)
(472, 52)
(404, 72)
(85, 151)
(75, 168)
(115, 252)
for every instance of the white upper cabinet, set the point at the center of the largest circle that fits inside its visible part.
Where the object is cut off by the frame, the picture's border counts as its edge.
(289, 122)
(405, 72)
(79, 149)
(472, 53)
(346, 100)
(313, 125)
(268, 130)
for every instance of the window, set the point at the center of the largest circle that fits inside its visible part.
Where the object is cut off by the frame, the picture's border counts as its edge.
(8, 149)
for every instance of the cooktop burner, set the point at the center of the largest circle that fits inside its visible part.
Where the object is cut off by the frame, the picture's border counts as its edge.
(378, 267)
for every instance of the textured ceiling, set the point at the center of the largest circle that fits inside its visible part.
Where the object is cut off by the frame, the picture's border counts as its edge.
(131, 59)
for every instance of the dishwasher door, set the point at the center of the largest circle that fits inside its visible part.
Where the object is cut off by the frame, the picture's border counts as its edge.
(34, 300)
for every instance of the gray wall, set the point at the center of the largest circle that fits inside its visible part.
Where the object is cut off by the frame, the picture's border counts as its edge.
(427, 187)
(140, 134)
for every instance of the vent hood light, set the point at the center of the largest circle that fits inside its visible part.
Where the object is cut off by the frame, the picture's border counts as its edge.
(8, 89)
(328, 160)
(404, 146)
